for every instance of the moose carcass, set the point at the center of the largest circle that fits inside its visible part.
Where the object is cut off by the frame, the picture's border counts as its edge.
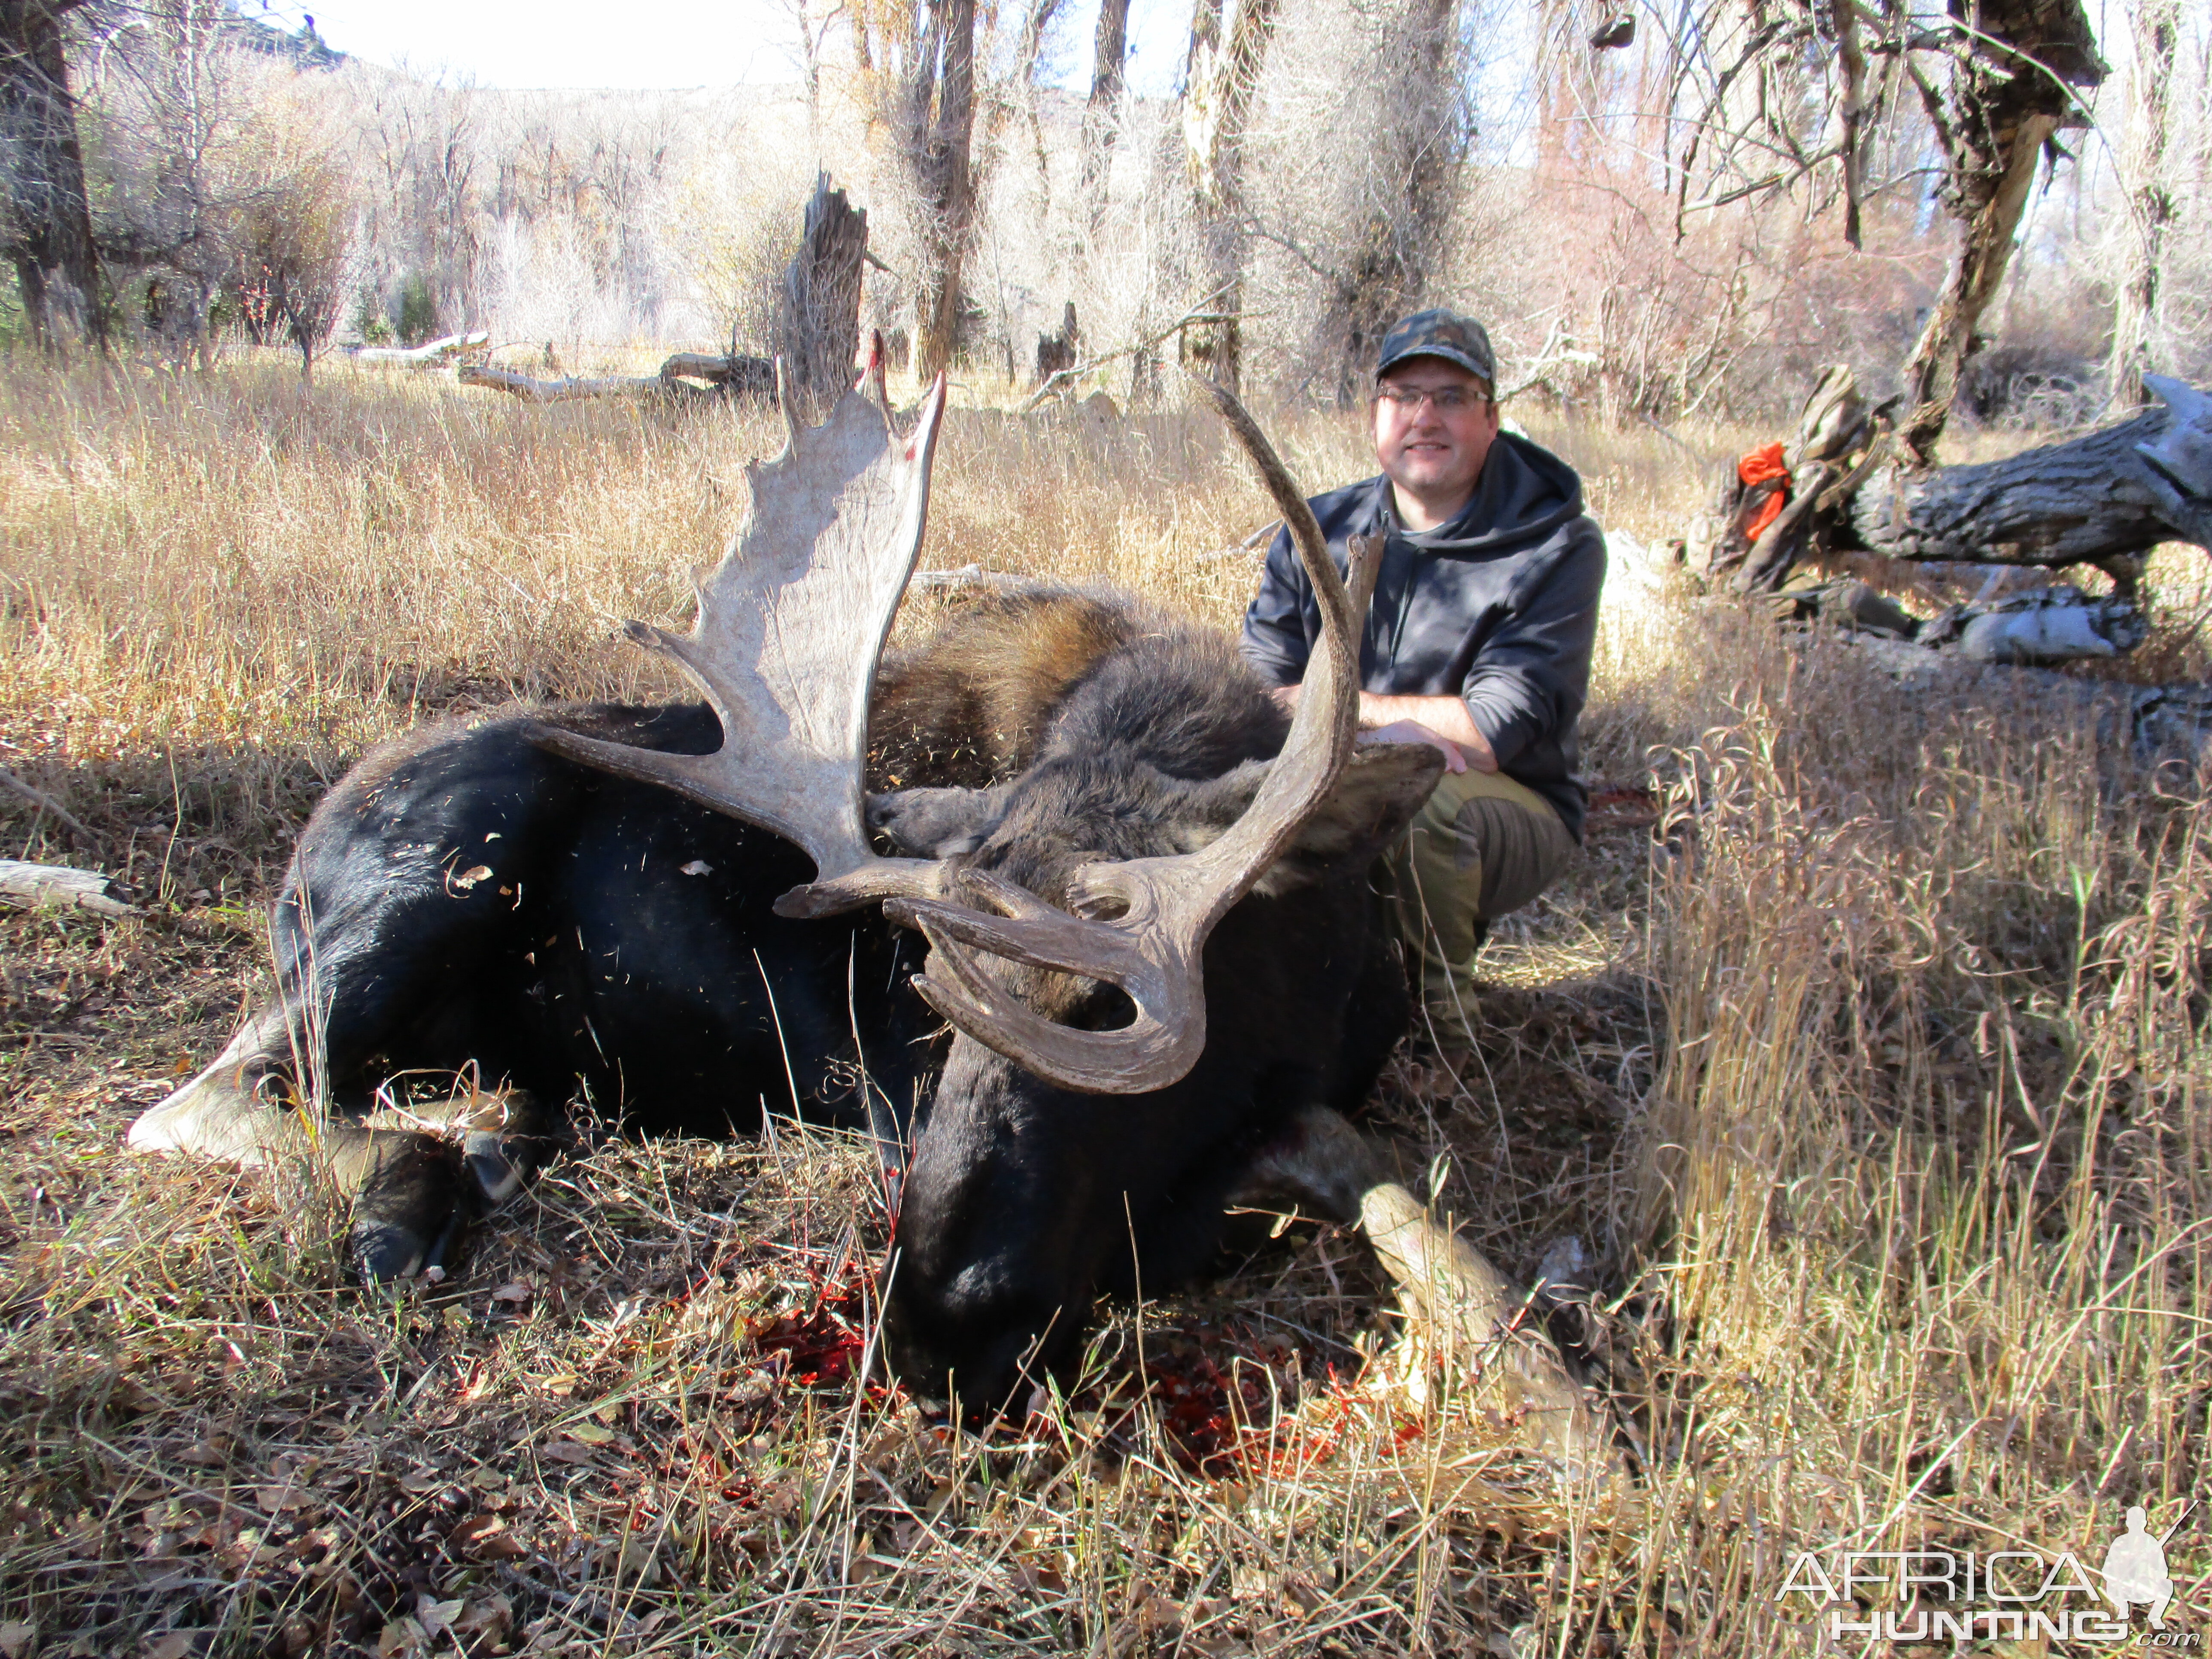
(1145, 902)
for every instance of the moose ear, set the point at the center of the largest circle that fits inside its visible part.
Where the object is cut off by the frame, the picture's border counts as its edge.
(1381, 787)
(936, 823)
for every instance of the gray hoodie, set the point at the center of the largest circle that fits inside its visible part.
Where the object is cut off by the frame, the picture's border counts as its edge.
(1497, 607)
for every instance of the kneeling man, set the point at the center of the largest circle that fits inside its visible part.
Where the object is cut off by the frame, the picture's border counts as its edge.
(1478, 640)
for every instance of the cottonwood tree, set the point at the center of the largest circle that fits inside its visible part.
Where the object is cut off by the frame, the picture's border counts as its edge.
(1221, 73)
(1102, 110)
(45, 216)
(1776, 93)
(2156, 26)
(424, 208)
(1801, 87)
(220, 182)
(1356, 160)
(819, 318)
(922, 60)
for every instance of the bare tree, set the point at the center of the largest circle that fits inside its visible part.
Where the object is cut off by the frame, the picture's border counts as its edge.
(1403, 175)
(45, 216)
(2157, 29)
(1102, 111)
(1221, 73)
(2010, 79)
(928, 63)
(1776, 93)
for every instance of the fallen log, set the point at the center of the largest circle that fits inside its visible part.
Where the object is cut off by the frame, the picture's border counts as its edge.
(723, 377)
(26, 884)
(2112, 494)
(2105, 499)
(433, 353)
(737, 373)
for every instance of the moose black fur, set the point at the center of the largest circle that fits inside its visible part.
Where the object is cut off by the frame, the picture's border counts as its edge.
(466, 905)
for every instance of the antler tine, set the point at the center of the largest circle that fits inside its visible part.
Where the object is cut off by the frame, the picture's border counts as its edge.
(1153, 950)
(790, 626)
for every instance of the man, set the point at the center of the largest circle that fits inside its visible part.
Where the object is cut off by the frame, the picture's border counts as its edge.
(1478, 640)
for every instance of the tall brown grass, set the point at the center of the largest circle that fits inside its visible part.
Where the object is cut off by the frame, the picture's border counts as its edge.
(1873, 1081)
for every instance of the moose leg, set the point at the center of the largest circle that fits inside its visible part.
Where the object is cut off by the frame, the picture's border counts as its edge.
(415, 1177)
(1461, 1310)
(419, 1175)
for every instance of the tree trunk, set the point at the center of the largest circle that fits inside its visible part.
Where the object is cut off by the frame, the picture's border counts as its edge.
(2009, 94)
(940, 131)
(1424, 138)
(1102, 112)
(47, 227)
(1218, 83)
(2105, 499)
(2134, 310)
(2102, 498)
(820, 321)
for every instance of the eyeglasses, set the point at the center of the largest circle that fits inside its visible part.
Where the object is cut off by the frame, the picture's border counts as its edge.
(1447, 400)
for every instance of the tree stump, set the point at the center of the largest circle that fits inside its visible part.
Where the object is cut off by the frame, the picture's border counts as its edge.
(819, 323)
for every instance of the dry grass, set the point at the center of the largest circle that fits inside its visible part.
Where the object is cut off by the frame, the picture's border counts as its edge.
(1874, 1086)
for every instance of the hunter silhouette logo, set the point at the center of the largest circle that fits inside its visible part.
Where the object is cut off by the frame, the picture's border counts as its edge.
(2021, 1594)
(2135, 1568)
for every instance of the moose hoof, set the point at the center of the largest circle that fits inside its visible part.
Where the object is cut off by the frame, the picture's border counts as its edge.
(385, 1253)
(409, 1217)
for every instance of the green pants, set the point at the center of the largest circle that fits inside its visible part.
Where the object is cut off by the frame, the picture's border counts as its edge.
(1482, 846)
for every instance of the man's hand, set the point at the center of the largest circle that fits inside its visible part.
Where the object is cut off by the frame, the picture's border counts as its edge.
(1414, 732)
(1443, 721)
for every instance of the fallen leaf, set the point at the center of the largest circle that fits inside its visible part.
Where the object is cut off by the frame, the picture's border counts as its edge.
(1302, 1595)
(566, 1451)
(639, 1562)
(469, 878)
(487, 1538)
(591, 1434)
(15, 1637)
(515, 1292)
(489, 1618)
(400, 1637)
(1158, 1614)
(177, 1644)
(698, 867)
(434, 1615)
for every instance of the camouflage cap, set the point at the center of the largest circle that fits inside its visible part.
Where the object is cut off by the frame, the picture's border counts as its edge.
(1439, 333)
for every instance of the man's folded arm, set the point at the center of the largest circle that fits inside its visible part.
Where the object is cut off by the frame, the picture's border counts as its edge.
(1537, 661)
(1274, 640)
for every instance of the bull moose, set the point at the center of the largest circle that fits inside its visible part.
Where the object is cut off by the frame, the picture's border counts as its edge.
(1144, 891)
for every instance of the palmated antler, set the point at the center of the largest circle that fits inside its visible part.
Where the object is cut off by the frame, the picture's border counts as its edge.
(789, 628)
(1142, 924)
